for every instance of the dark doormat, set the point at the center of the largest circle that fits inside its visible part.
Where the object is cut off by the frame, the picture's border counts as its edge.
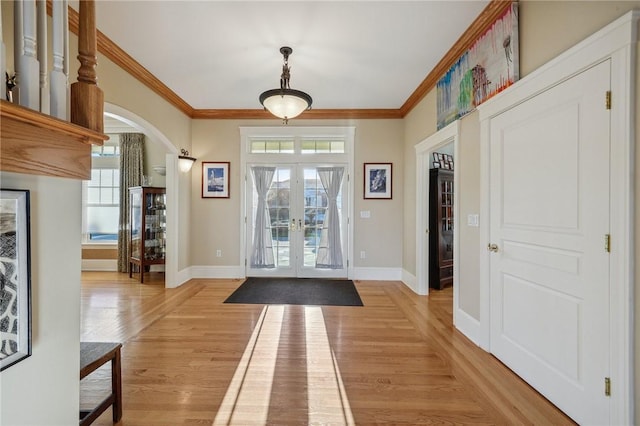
(296, 291)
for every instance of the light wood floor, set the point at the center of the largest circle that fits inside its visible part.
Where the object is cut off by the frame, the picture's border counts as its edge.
(189, 359)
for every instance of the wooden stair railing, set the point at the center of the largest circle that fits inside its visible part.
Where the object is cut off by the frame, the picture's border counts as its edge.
(87, 99)
(35, 143)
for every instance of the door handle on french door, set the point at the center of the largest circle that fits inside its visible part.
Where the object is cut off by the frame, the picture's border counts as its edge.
(300, 224)
(492, 247)
(292, 227)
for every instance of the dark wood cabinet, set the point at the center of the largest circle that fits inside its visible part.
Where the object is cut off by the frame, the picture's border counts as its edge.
(148, 228)
(440, 228)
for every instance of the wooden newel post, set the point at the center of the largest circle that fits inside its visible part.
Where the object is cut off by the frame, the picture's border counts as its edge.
(87, 99)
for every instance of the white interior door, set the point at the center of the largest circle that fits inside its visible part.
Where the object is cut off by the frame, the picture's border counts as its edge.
(549, 217)
(297, 220)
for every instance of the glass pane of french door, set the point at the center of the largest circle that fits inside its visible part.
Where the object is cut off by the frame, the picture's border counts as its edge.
(280, 222)
(297, 204)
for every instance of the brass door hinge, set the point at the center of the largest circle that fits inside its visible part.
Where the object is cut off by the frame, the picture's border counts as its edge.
(607, 243)
(608, 99)
(607, 386)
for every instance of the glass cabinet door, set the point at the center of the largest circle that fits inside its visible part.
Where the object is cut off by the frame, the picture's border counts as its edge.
(155, 226)
(136, 223)
(148, 228)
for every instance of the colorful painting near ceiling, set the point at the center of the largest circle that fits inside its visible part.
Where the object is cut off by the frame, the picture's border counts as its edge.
(488, 67)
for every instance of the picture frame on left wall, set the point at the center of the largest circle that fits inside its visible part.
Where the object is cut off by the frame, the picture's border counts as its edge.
(15, 277)
(215, 179)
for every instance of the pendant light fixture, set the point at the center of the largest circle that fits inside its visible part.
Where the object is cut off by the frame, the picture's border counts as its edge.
(285, 102)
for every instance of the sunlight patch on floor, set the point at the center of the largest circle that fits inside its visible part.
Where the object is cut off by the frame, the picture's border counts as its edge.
(247, 399)
(328, 402)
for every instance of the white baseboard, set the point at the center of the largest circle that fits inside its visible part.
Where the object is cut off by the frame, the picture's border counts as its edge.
(229, 272)
(99, 264)
(183, 276)
(234, 272)
(377, 274)
(467, 325)
(410, 281)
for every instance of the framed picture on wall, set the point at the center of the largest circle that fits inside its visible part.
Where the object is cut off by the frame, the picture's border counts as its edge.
(15, 273)
(215, 179)
(377, 180)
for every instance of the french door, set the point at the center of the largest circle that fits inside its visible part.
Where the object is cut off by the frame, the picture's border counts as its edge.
(296, 220)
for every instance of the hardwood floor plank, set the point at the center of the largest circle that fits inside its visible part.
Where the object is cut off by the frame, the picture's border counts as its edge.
(190, 359)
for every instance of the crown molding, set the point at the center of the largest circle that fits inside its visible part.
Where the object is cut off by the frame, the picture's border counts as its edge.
(121, 58)
(313, 114)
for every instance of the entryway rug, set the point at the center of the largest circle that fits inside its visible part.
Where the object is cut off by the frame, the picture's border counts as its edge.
(296, 291)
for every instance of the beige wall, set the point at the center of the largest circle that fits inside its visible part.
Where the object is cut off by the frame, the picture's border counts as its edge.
(380, 141)
(215, 223)
(418, 125)
(468, 163)
(44, 388)
(548, 28)
(154, 155)
(123, 90)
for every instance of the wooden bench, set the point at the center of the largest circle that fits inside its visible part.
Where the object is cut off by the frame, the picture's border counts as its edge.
(92, 356)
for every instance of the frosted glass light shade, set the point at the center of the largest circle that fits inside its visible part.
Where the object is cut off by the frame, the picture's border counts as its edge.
(285, 103)
(185, 163)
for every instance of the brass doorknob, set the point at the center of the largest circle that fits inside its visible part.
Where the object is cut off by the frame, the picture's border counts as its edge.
(492, 247)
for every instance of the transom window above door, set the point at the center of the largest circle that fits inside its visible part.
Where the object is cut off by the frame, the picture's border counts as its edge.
(331, 145)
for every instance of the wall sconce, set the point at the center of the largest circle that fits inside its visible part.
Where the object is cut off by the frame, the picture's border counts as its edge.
(184, 161)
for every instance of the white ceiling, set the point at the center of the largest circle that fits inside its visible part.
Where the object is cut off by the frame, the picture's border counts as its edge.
(346, 54)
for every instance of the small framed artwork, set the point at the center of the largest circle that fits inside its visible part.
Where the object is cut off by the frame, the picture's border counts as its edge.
(15, 276)
(215, 179)
(377, 180)
(449, 160)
